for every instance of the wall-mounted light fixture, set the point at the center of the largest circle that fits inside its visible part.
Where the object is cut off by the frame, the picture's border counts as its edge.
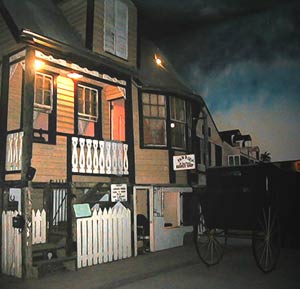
(38, 64)
(74, 75)
(158, 60)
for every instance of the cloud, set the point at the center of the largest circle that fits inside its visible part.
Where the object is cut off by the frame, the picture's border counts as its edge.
(274, 128)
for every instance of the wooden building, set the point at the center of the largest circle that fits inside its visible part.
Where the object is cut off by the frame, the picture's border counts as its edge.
(89, 109)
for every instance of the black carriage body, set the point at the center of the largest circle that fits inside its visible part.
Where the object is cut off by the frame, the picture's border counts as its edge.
(235, 196)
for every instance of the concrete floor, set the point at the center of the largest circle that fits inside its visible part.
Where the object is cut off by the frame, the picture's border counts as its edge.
(178, 268)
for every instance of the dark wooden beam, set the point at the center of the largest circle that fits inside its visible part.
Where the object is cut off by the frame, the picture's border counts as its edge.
(26, 203)
(3, 115)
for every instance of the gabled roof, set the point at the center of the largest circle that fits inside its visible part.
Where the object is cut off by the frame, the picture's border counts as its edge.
(160, 78)
(39, 16)
(227, 134)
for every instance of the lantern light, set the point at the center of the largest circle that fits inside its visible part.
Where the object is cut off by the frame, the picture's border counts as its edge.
(38, 64)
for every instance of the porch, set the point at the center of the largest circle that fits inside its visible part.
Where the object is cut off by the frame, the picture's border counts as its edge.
(86, 156)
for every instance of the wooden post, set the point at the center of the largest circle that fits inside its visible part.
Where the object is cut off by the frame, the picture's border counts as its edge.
(205, 125)
(26, 205)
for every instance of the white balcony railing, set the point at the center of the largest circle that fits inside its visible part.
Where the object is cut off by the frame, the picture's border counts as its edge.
(14, 143)
(92, 156)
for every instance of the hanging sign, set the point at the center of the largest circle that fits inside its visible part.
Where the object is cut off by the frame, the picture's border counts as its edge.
(184, 162)
(118, 192)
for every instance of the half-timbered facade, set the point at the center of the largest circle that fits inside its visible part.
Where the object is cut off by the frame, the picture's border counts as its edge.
(87, 102)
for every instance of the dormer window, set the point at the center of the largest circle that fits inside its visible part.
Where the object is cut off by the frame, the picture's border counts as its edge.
(116, 28)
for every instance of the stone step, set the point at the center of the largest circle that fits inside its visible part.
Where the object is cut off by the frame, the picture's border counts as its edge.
(48, 250)
(43, 267)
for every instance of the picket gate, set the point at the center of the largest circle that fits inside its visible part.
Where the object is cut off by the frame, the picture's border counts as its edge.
(11, 246)
(104, 237)
(39, 227)
(12, 240)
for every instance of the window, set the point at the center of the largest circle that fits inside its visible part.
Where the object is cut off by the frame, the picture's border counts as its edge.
(43, 92)
(44, 119)
(234, 160)
(88, 110)
(116, 28)
(87, 103)
(178, 123)
(154, 119)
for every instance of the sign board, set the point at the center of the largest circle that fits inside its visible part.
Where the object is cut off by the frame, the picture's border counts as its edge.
(82, 210)
(184, 162)
(118, 192)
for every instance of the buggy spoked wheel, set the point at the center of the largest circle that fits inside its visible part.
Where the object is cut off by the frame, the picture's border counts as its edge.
(266, 240)
(209, 243)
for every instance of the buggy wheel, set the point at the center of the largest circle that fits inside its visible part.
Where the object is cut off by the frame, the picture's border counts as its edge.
(209, 243)
(266, 240)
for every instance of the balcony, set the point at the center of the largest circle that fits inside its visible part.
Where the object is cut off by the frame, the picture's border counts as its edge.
(14, 143)
(91, 156)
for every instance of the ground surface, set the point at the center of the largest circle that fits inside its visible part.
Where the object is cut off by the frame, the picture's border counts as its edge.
(178, 268)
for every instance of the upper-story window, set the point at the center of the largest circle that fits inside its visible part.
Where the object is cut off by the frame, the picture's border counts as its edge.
(44, 116)
(116, 28)
(43, 92)
(87, 102)
(178, 123)
(154, 120)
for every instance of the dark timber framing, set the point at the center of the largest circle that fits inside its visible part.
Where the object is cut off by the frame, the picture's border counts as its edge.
(26, 206)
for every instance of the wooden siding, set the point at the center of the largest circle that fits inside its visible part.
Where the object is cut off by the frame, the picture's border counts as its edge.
(7, 41)
(75, 12)
(151, 166)
(13, 177)
(98, 42)
(14, 97)
(65, 105)
(50, 161)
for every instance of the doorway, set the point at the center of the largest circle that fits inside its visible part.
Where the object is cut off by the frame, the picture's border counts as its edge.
(143, 219)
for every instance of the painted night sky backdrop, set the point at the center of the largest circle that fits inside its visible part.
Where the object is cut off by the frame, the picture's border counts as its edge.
(243, 57)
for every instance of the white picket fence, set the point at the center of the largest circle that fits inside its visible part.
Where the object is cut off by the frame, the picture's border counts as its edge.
(11, 246)
(11, 241)
(104, 237)
(39, 227)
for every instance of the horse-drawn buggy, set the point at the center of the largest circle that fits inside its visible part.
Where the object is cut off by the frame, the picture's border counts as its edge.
(246, 199)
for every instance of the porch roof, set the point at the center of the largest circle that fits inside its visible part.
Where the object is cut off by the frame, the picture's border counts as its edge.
(162, 78)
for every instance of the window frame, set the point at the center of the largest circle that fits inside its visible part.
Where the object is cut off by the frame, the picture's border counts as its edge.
(77, 117)
(143, 117)
(234, 160)
(180, 122)
(83, 115)
(39, 106)
(51, 132)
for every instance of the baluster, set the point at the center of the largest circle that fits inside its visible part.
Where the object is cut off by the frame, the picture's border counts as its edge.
(120, 159)
(82, 155)
(15, 151)
(9, 152)
(125, 146)
(108, 157)
(95, 157)
(114, 160)
(101, 156)
(21, 134)
(74, 155)
(89, 162)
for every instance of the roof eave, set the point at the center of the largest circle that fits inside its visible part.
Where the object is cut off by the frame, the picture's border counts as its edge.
(38, 40)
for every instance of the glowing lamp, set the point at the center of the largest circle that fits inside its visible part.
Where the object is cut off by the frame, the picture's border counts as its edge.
(38, 64)
(158, 60)
(172, 125)
(74, 75)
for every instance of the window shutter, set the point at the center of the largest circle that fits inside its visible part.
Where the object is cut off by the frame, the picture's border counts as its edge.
(109, 26)
(121, 29)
